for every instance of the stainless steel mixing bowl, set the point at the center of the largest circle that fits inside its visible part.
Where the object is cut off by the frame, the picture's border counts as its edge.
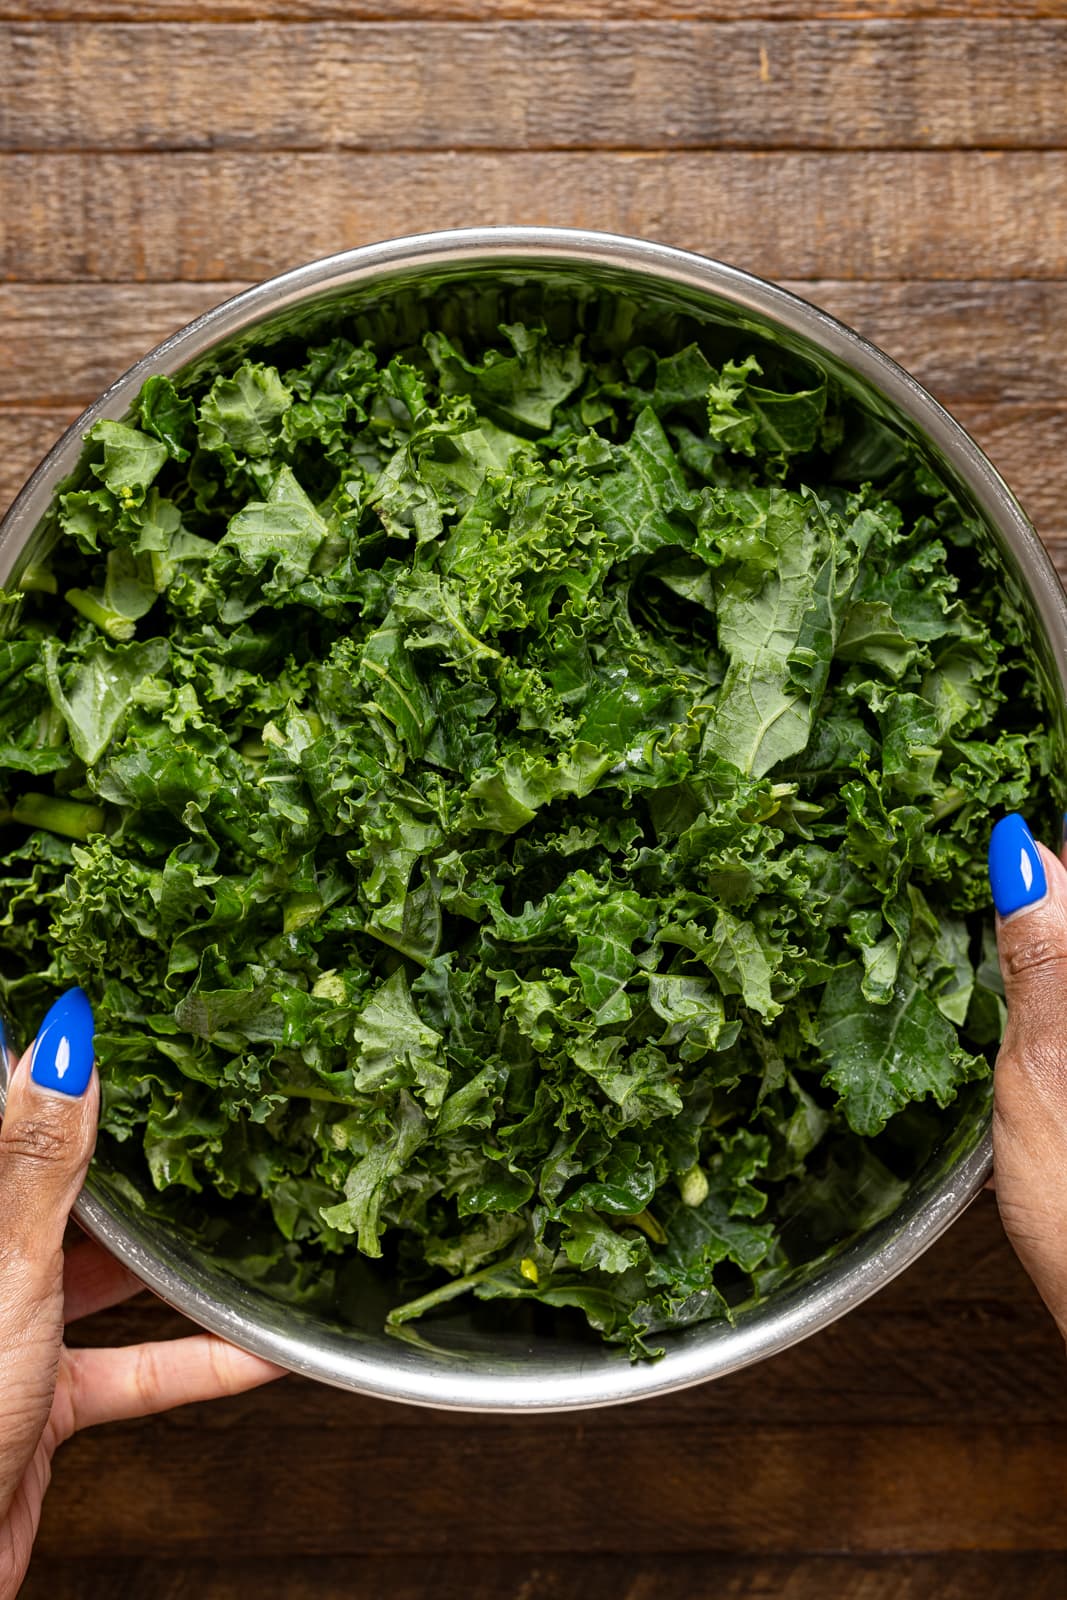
(474, 1369)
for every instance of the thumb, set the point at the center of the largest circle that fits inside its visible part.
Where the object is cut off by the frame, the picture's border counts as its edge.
(1030, 1103)
(49, 1129)
(46, 1141)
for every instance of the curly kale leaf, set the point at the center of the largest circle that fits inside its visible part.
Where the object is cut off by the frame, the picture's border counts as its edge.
(517, 807)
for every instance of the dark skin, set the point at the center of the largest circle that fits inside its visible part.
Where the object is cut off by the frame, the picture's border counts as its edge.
(48, 1391)
(1030, 1109)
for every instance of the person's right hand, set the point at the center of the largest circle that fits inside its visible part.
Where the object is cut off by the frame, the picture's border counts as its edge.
(48, 1390)
(1030, 1096)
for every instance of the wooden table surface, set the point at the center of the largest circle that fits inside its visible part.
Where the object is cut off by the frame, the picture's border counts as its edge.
(902, 163)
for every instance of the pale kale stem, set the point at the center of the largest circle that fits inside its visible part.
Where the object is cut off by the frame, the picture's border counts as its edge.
(648, 1225)
(297, 1091)
(448, 1291)
(949, 802)
(109, 622)
(72, 818)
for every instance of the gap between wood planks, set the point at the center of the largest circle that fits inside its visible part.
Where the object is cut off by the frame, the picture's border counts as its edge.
(494, 12)
(662, 151)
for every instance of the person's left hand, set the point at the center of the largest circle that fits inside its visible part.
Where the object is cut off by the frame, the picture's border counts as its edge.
(47, 1390)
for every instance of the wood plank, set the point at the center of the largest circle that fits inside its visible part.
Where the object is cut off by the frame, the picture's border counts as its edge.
(986, 1576)
(801, 215)
(669, 85)
(62, 350)
(25, 436)
(516, 10)
(932, 1420)
(554, 1485)
(1028, 444)
(967, 342)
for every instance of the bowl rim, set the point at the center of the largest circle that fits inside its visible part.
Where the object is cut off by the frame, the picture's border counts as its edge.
(852, 1275)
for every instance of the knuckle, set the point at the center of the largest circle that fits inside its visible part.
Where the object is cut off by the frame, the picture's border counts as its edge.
(1029, 1229)
(1006, 1122)
(1012, 1061)
(1036, 953)
(144, 1379)
(1041, 1058)
(35, 1139)
(1031, 1087)
(218, 1362)
(63, 1418)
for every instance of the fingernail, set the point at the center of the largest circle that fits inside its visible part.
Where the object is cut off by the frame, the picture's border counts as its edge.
(63, 1050)
(1016, 873)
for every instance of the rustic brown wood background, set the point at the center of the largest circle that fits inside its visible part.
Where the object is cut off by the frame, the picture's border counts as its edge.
(899, 161)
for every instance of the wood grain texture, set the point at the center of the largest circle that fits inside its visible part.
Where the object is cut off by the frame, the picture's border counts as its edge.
(1028, 444)
(576, 1577)
(896, 161)
(927, 215)
(497, 11)
(553, 1486)
(667, 85)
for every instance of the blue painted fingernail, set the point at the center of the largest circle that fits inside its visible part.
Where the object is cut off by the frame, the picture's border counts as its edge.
(1016, 873)
(63, 1051)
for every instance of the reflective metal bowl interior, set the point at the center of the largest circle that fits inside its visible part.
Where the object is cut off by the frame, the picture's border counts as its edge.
(474, 279)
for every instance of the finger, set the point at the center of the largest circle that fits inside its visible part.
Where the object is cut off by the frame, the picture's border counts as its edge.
(1032, 940)
(49, 1130)
(1030, 1109)
(46, 1140)
(94, 1280)
(109, 1385)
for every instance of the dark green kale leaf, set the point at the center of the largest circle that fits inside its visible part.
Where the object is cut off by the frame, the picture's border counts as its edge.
(517, 807)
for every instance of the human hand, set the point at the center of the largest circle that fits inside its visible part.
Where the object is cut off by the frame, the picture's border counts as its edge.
(1030, 1100)
(47, 1391)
